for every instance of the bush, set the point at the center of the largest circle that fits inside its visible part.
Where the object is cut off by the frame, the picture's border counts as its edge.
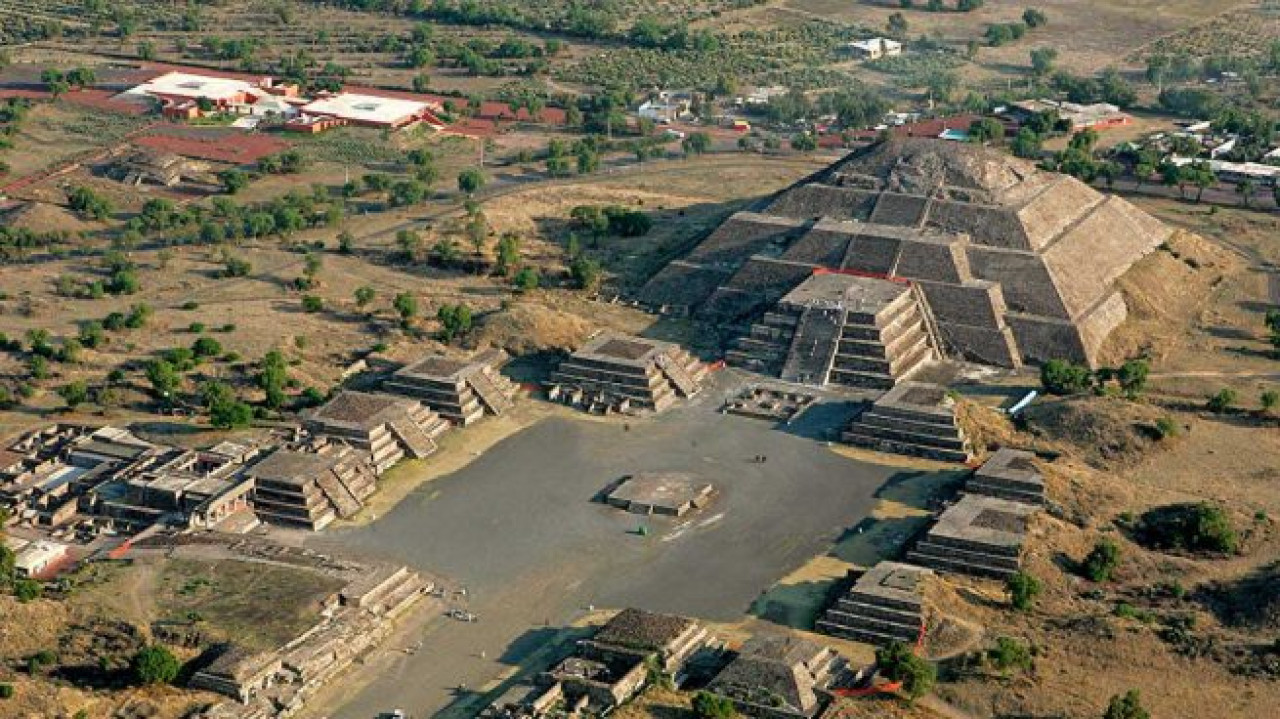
(1102, 561)
(1166, 428)
(1062, 377)
(154, 665)
(707, 705)
(898, 663)
(1188, 527)
(1222, 401)
(1009, 653)
(27, 590)
(1126, 706)
(6, 691)
(1023, 589)
(312, 303)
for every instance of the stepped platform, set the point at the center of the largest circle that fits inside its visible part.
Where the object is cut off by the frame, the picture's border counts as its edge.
(614, 372)
(884, 605)
(461, 391)
(1009, 474)
(840, 329)
(672, 494)
(978, 536)
(913, 418)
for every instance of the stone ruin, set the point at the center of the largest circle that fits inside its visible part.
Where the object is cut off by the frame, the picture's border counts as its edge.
(614, 372)
(462, 391)
(979, 536)
(1014, 263)
(840, 329)
(884, 605)
(1009, 474)
(913, 418)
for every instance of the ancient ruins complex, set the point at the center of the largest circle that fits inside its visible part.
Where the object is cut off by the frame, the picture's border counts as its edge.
(1014, 264)
(840, 329)
(624, 373)
(461, 391)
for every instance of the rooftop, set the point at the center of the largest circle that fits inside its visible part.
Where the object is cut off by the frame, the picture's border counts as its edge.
(366, 108)
(621, 349)
(182, 84)
(647, 631)
(1013, 464)
(667, 489)
(987, 520)
(359, 408)
(893, 581)
(847, 291)
(290, 467)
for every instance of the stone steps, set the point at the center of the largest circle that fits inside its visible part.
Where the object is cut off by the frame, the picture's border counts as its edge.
(909, 624)
(895, 431)
(489, 393)
(338, 495)
(854, 437)
(960, 566)
(1002, 491)
(866, 636)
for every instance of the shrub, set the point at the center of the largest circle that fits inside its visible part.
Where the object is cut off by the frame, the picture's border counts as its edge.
(27, 590)
(1165, 428)
(1062, 377)
(1188, 527)
(154, 665)
(190, 305)
(1126, 706)
(1009, 653)
(206, 347)
(1102, 561)
(898, 663)
(6, 691)
(312, 303)
(707, 705)
(1023, 589)
(1222, 401)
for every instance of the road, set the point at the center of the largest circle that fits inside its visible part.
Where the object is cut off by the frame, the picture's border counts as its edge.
(518, 528)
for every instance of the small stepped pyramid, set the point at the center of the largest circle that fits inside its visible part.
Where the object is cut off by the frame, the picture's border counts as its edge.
(884, 605)
(979, 536)
(915, 419)
(1009, 474)
(614, 371)
(461, 391)
(840, 329)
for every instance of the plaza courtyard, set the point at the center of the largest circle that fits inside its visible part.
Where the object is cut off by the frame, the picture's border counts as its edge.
(518, 528)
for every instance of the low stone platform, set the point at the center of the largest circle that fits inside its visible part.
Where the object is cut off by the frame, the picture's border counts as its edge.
(770, 403)
(884, 605)
(979, 536)
(914, 418)
(672, 494)
(1009, 474)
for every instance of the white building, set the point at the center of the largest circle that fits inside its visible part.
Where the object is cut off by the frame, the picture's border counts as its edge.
(36, 557)
(875, 48)
(371, 110)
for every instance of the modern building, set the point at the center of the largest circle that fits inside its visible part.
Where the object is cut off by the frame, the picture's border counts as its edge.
(461, 391)
(185, 95)
(372, 110)
(388, 427)
(874, 48)
(614, 372)
(1096, 116)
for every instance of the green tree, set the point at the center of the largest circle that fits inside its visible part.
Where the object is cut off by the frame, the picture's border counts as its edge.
(1132, 376)
(804, 142)
(898, 24)
(527, 279)
(154, 665)
(1101, 562)
(697, 143)
(707, 705)
(584, 272)
(897, 662)
(1009, 653)
(1042, 60)
(273, 378)
(987, 129)
(406, 305)
(364, 295)
(1062, 377)
(206, 347)
(27, 590)
(312, 303)
(455, 320)
(1034, 18)
(1270, 399)
(1126, 706)
(1023, 590)
(164, 378)
(508, 254)
(470, 181)
(233, 181)
(74, 393)
(1223, 401)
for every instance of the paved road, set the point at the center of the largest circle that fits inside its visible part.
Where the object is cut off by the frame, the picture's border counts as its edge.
(518, 529)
